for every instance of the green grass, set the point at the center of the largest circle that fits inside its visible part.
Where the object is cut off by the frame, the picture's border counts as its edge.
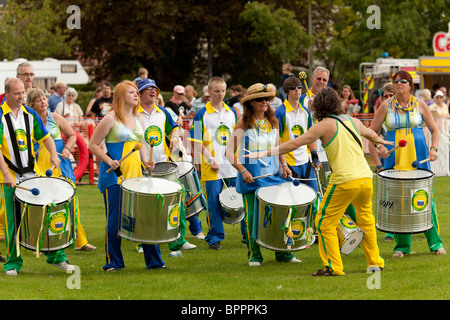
(203, 274)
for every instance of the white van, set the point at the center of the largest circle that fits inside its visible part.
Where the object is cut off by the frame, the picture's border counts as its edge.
(47, 72)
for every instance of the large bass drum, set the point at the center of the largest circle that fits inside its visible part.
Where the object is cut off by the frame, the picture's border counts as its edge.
(405, 201)
(150, 210)
(275, 203)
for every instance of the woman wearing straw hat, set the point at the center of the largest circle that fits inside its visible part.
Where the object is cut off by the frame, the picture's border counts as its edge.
(258, 127)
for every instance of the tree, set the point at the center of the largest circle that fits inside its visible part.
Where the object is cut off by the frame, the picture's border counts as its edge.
(31, 30)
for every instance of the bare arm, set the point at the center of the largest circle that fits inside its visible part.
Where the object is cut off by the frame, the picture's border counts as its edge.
(68, 132)
(100, 133)
(431, 124)
(49, 143)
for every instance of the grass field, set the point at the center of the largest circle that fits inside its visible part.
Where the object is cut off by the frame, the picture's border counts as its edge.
(204, 274)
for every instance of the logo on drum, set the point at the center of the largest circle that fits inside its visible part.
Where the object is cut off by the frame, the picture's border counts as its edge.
(297, 131)
(57, 223)
(222, 135)
(153, 131)
(347, 223)
(174, 216)
(21, 137)
(420, 200)
(298, 229)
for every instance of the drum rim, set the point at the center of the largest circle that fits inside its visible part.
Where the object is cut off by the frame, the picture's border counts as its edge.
(189, 171)
(403, 179)
(145, 193)
(285, 205)
(42, 205)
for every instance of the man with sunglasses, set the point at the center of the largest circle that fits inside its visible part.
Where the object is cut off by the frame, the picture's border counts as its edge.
(319, 80)
(295, 120)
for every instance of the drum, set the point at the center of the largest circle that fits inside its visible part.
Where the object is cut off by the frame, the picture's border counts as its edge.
(45, 222)
(166, 170)
(405, 201)
(232, 206)
(194, 195)
(325, 171)
(150, 210)
(275, 203)
(349, 234)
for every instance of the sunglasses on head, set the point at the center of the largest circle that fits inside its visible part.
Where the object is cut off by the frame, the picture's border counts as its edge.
(295, 87)
(262, 99)
(401, 81)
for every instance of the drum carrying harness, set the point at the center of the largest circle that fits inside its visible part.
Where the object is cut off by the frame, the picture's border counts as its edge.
(19, 168)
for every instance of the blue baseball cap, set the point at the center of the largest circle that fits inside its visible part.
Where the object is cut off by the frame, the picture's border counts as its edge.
(147, 83)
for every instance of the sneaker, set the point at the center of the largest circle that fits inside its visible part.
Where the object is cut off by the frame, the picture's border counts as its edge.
(12, 272)
(440, 251)
(215, 246)
(397, 254)
(254, 263)
(294, 260)
(188, 246)
(200, 236)
(65, 265)
(325, 272)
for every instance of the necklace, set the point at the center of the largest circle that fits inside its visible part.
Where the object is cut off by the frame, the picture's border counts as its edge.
(412, 104)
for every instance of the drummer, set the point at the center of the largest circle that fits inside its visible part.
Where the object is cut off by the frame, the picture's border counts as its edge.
(404, 116)
(158, 123)
(351, 181)
(121, 129)
(258, 128)
(16, 117)
(294, 120)
(57, 124)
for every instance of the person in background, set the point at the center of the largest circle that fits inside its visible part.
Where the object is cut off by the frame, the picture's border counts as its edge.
(348, 100)
(177, 101)
(286, 72)
(425, 95)
(59, 95)
(275, 102)
(439, 108)
(200, 102)
(102, 105)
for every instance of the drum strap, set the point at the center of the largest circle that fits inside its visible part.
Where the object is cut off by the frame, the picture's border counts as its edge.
(351, 132)
(19, 169)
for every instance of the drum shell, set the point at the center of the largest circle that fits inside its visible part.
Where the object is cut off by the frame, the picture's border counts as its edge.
(269, 233)
(324, 171)
(231, 214)
(188, 180)
(145, 218)
(166, 170)
(396, 213)
(349, 234)
(31, 222)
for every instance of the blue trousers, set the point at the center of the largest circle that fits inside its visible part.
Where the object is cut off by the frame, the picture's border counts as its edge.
(114, 258)
(214, 211)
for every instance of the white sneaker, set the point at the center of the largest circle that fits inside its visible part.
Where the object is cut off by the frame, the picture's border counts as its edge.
(188, 246)
(65, 265)
(254, 263)
(12, 272)
(295, 260)
(200, 236)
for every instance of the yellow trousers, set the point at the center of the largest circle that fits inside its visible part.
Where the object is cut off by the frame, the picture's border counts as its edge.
(336, 199)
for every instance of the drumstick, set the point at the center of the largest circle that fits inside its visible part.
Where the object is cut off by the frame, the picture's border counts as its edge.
(49, 172)
(136, 147)
(294, 181)
(258, 158)
(34, 191)
(151, 142)
(401, 144)
(266, 175)
(416, 163)
(302, 76)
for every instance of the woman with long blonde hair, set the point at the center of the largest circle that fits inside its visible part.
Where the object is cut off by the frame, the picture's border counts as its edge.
(121, 129)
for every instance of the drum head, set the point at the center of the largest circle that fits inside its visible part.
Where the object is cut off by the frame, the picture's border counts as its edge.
(231, 199)
(51, 190)
(151, 185)
(165, 167)
(286, 194)
(417, 174)
(184, 167)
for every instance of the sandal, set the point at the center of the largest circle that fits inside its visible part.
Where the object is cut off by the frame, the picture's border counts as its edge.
(440, 251)
(397, 254)
(325, 272)
(86, 247)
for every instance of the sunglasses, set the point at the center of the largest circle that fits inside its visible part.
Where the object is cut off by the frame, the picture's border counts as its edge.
(262, 99)
(295, 87)
(401, 81)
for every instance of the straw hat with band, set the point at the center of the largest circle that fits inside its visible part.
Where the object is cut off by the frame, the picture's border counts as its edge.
(257, 90)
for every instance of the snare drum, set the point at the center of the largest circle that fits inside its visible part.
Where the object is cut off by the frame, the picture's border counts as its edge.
(194, 195)
(232, 206)
(349, 234)
(404, 201)
(166, 170)
(274, 205)
(150, 210)
(45, 222)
